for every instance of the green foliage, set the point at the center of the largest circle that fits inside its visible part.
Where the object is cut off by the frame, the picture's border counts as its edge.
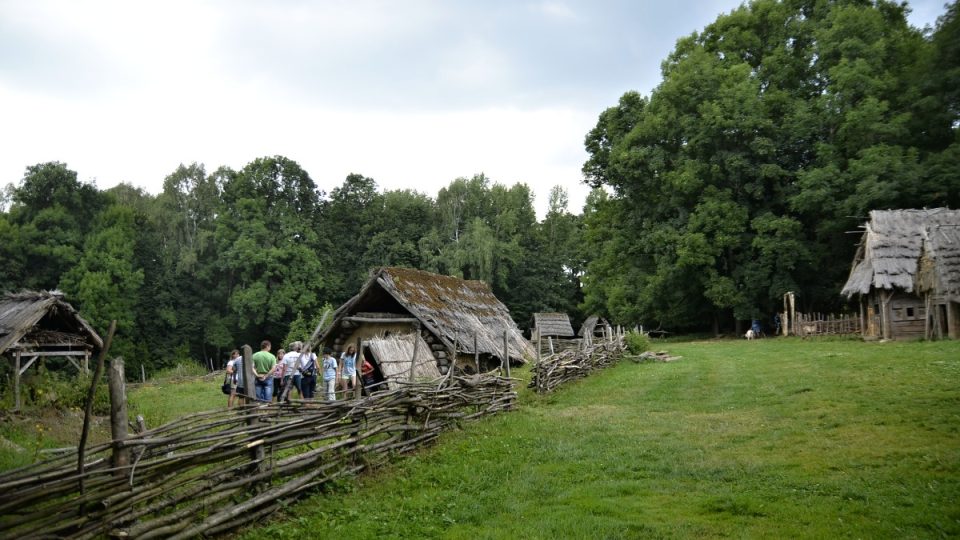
(775, 130)
(62, 389)
(637, 342)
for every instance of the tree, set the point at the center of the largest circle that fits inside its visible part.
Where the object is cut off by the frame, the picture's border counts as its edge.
(774, 131)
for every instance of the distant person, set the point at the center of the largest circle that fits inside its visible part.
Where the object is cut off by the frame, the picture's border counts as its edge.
(348, 370)
(291, 372)
(329, 374)
(369, 378)
(308, 374)
(278, 375)
(263, 363)
(232, 377)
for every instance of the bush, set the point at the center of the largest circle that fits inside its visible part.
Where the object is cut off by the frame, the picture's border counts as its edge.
(62, 390)
(637, 342)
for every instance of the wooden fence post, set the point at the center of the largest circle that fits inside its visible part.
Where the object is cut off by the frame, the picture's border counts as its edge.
(248, 377)
(88, 409)
(118, 415)
(16, 382)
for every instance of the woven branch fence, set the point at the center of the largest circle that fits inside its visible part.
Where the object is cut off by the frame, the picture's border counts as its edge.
(567, 365)
(212, 472)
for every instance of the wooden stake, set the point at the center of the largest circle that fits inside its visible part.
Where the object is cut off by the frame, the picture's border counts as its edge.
(82, 447)
(476, 353)
(416, 347)
(118, 415)
(248, 377)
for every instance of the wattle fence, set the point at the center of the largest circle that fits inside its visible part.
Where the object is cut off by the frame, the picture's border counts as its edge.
(570, 364)
(212, 472)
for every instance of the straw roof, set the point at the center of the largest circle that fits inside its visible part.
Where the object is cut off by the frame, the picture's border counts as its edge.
(21, 314)
(939, 271)
(590, 325)
(394, 353)
(553, 324)
(891, 247)
(448, 307)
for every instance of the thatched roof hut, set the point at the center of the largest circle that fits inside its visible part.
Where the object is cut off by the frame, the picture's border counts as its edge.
(42, 324)
(592, 327)
(31, 319)
(552, 324)
(445, 309)
(906, 271)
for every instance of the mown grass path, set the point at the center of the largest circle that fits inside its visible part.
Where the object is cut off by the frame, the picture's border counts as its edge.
(770, 438)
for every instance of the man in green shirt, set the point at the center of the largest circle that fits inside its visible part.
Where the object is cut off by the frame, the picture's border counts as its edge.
(263, 362)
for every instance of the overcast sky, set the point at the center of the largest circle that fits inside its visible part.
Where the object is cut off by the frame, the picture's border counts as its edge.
(412, 93)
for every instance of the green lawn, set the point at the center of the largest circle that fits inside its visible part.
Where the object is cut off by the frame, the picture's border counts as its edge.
(770, 438)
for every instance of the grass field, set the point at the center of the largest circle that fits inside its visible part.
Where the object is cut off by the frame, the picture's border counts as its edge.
(770, 438)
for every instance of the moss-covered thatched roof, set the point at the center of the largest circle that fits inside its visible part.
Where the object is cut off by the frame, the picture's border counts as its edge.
(448, 307)
(29, 312)
(891, 246)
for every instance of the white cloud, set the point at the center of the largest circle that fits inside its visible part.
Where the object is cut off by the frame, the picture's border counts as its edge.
(557, 10)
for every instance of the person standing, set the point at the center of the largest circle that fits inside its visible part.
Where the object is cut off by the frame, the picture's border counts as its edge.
(308, 375)
(329, 374)
(278, 375)
(263, 364)
(232, 375)
(291, 371)
(348, 370)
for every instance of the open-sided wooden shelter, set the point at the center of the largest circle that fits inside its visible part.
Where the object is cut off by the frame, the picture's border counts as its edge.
(907, 274)
(442, 310)
(41, 324)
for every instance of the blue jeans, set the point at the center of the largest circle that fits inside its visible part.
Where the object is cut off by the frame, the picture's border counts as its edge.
(264, 389)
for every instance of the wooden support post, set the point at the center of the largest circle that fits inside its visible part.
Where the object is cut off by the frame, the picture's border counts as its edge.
(118, 415)
(16, 382)
(86, 363)
(358, 384)
(143, 373)
(506, 353)
(550, 342)
(416, 347)
(476, 353)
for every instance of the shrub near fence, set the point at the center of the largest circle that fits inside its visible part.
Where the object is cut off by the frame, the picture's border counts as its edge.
(564, 366)
(215, 471)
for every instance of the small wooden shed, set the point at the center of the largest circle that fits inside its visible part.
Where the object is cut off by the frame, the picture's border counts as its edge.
(42, 324)
(906, 273)
(552, 324)
(443, 310)
(593, 327)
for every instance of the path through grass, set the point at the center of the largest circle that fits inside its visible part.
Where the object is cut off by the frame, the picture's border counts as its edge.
(770, 438)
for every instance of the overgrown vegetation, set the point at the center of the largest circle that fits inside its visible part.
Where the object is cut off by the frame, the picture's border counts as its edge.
(637, 342)
(776, 438)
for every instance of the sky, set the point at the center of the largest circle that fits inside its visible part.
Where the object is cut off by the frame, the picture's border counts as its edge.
(412, 93)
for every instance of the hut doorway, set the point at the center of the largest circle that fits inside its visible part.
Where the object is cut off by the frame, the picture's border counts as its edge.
(376, 380)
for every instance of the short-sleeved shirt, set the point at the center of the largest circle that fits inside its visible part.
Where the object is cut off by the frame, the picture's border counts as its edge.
(329, 368)
(290, 362)
(264, 361)
(349, 364)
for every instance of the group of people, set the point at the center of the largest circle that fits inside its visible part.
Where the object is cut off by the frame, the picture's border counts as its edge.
(277, 376)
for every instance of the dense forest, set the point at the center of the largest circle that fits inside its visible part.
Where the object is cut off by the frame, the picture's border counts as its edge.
(774, 132)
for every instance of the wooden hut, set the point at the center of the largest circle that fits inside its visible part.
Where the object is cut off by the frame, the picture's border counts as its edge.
(552, 324)
(906, 272)
(442, 310)
(593, 327)
(41, 324)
